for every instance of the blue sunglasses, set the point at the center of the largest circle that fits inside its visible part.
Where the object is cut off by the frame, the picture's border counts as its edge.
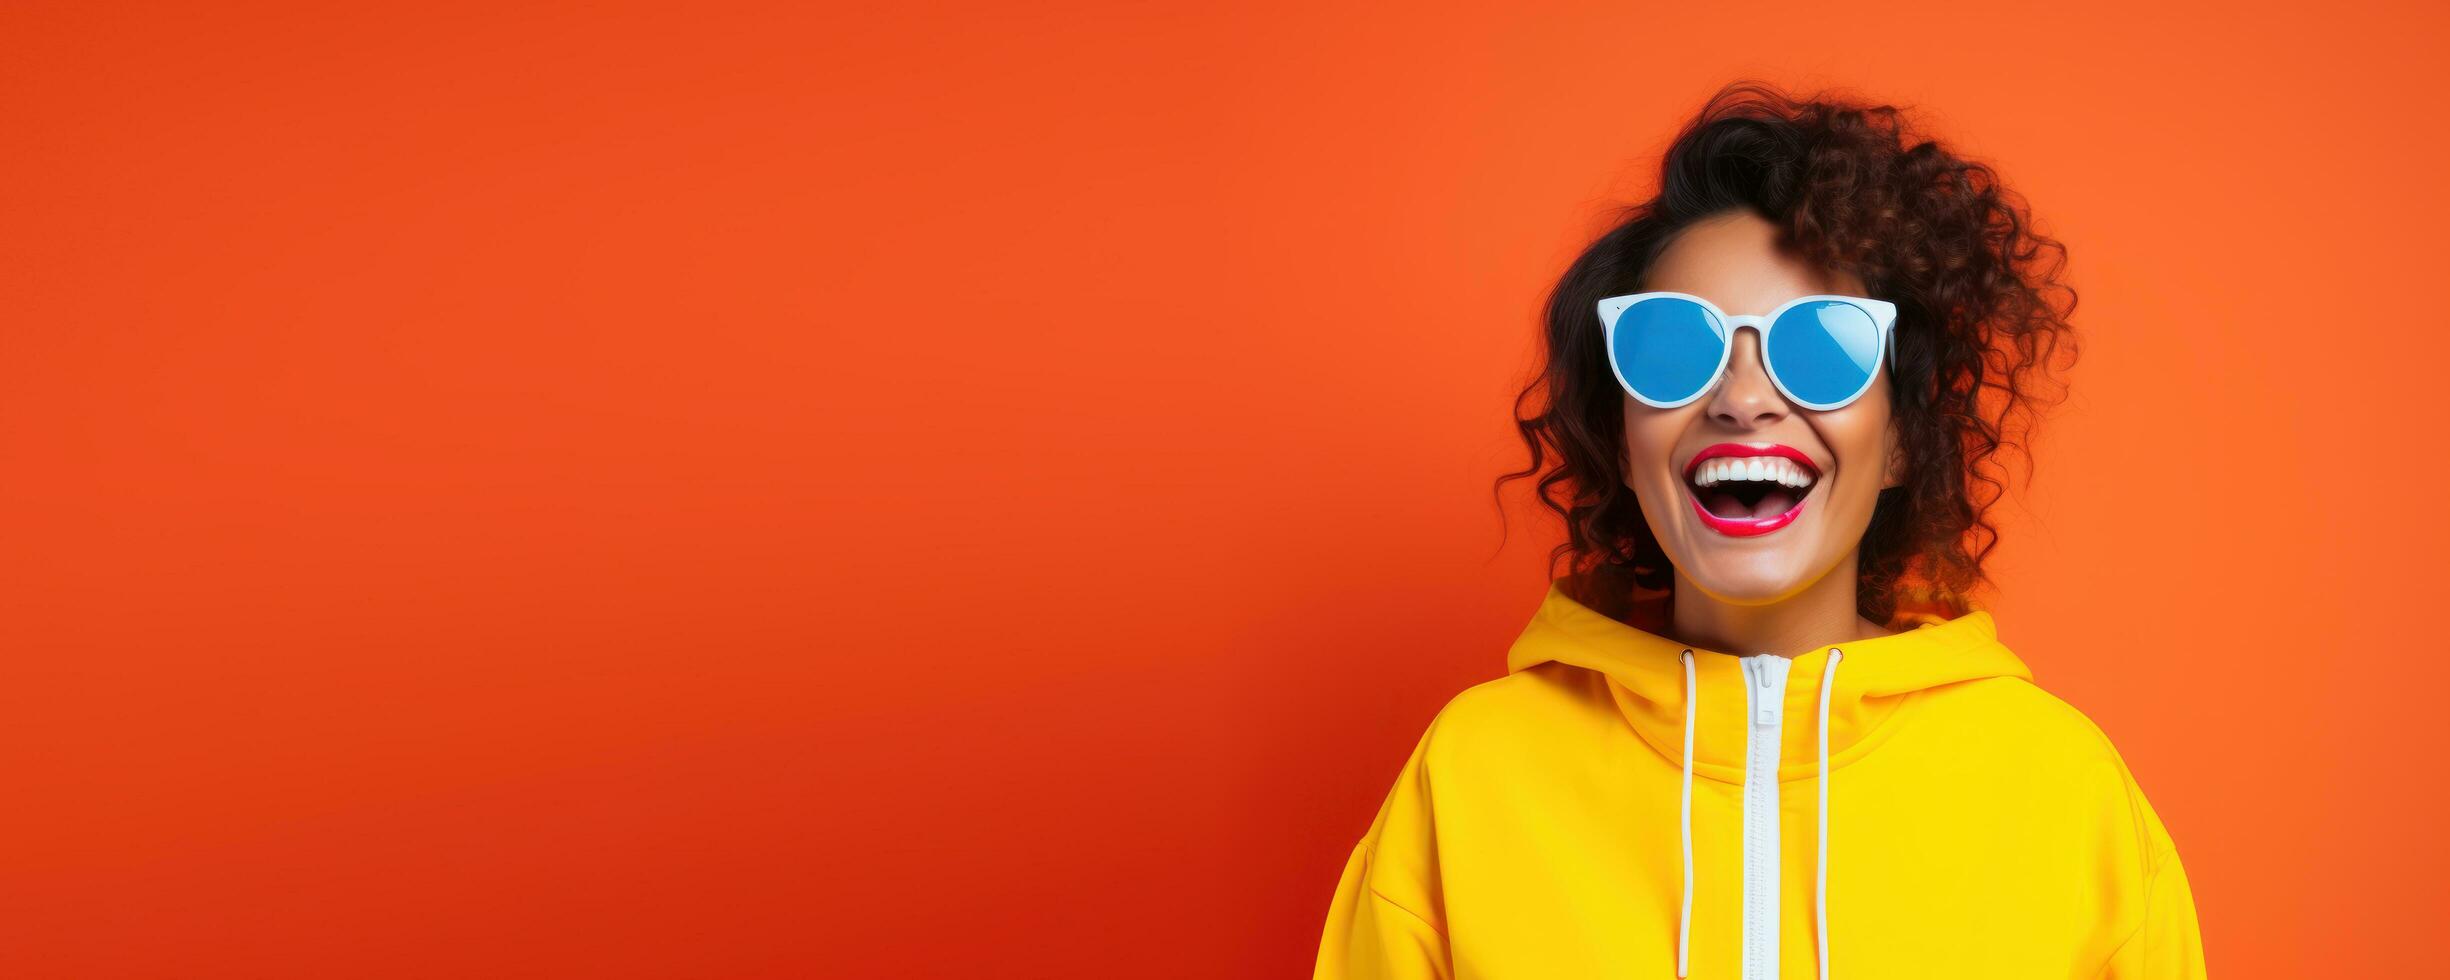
(1822, 351)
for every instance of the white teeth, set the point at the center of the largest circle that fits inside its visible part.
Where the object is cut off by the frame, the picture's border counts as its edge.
(1771, 468)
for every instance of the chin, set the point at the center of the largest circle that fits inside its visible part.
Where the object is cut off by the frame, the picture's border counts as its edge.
(1749, 587)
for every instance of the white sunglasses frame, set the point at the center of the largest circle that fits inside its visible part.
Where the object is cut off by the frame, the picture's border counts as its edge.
(1883, 314)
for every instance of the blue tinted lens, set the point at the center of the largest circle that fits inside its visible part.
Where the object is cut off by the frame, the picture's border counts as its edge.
(1824, 351)
(1667, 348)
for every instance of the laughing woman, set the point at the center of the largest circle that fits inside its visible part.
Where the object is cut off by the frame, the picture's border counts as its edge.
(1758, 728)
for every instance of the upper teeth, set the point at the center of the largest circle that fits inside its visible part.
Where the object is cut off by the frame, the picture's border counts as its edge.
(1776, 469)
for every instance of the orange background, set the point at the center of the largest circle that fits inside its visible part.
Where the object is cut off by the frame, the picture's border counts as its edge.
(949, 490)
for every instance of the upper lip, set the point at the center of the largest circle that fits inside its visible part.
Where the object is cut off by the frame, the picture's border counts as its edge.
(1741, 449)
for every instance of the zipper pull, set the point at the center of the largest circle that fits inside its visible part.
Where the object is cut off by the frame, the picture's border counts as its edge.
(1770, 699)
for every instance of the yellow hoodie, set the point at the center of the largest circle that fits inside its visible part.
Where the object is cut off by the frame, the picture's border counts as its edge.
(1573, 819)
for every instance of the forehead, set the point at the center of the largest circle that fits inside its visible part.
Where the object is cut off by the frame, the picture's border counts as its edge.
(1735, 261)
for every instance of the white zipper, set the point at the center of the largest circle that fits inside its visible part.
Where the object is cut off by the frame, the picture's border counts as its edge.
(1765, 702)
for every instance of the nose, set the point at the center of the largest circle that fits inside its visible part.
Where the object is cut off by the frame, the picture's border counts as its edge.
(1745, 398)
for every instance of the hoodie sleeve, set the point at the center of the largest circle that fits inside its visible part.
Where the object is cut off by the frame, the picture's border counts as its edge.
(1386, 921)
(2166, 945)
(1370, 937)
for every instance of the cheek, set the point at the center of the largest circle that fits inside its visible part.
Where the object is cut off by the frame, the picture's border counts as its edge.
(1858, 435)
(1649, 436)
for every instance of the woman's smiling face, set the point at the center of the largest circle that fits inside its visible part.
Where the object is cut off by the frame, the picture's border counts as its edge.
(1734, 261)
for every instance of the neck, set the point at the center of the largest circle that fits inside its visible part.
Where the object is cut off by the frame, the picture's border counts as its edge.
(1823, 613)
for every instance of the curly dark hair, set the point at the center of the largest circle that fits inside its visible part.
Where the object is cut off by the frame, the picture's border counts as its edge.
(1853, 186)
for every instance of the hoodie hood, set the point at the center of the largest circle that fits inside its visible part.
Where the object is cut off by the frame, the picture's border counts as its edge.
(1646, 674)
(1661, 686)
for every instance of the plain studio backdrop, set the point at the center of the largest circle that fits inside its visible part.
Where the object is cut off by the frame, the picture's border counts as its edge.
(628, 490)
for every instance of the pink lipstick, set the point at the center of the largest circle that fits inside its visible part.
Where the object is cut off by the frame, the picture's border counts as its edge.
(1741, 527)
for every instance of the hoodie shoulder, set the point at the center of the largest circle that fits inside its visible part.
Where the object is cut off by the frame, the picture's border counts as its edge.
(1535, 707)
(1478, 736)
(2027, 712)
(2031, 704)
(2014, 721)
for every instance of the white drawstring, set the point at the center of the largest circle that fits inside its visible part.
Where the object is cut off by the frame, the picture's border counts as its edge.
(1820, 884)
(1684, 919)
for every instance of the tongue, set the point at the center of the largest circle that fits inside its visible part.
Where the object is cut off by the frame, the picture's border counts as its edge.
(1774, 503)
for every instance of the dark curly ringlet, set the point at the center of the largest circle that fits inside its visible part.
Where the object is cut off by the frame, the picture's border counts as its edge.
(1980, 315)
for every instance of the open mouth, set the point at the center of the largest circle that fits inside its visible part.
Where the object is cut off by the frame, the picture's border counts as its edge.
(1750, 488)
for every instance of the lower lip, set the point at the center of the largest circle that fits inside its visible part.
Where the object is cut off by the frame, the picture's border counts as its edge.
(1745, 527)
